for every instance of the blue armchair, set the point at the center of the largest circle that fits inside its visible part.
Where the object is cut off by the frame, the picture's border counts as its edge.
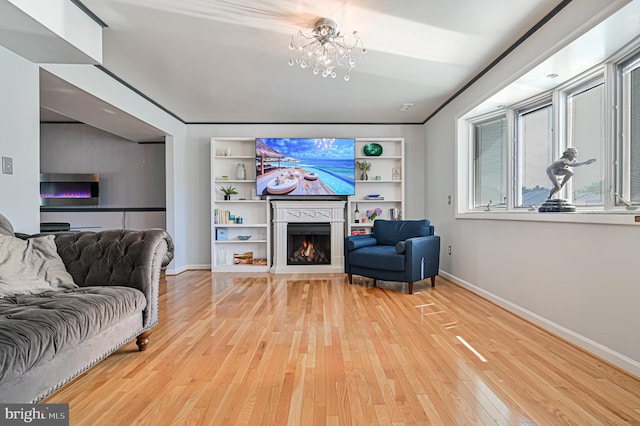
(403, 250)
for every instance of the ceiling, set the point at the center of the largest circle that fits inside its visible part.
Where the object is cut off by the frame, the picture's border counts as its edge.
(225, 61)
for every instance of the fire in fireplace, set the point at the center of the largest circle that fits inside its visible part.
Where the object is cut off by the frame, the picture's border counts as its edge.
(308, 243)
(69, 189)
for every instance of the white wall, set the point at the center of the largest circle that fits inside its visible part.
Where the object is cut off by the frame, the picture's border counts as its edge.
(199, 169)
(578, 280)
(19, 121)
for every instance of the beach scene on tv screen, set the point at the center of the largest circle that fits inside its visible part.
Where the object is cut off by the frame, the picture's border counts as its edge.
(296, 166)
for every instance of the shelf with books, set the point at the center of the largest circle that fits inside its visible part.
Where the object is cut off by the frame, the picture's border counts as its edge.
(244, 215)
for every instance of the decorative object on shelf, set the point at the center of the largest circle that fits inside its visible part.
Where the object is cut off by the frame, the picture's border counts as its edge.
(243, 258)
(244, 237)
(241, 172)
(394, 213)
(325, 50)
(225, 177)
(372, 150)
(378, 177)
(373, 214)
(374, 197)
(227, 152)
(356, 215)
(222, 234)
(395, 173)
(364, 167)
(228, 191)
(222, 257)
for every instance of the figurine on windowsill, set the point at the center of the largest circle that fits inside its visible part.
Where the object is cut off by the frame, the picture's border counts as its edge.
(561, 167)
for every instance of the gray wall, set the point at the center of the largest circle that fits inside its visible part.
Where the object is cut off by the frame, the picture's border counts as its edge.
(131, 174)
(578, 280)
(19, 118)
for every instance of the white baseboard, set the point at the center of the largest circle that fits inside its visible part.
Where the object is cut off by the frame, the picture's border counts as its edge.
(595, 348)
(176, 271)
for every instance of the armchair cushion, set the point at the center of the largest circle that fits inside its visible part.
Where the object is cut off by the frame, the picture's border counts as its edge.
(391, 232)
(375, 257)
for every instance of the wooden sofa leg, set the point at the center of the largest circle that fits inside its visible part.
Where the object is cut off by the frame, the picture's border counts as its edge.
(410, 288)
(350, 278)
(433, 281)
(143, 340)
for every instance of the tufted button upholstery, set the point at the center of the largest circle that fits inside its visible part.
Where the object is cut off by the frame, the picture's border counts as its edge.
(117, 258)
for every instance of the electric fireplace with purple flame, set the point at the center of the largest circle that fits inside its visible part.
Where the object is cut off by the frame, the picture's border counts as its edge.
(69, 189)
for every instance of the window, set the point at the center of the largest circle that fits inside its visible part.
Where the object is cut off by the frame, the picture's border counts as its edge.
(629, 157)
(507, 142)
(585, 131)
(535, 153)
(490, 162)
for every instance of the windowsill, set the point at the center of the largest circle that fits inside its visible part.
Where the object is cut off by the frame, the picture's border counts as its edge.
(617, 217)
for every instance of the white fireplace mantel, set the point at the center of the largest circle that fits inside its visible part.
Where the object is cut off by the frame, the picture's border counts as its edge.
(311, 211)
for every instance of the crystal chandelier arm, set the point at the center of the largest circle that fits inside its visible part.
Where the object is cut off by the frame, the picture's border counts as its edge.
(325, 49)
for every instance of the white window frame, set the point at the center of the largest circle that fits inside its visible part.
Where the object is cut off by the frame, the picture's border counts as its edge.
(616, 147)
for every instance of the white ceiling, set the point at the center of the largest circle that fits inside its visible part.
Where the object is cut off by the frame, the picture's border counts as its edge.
(225, 61)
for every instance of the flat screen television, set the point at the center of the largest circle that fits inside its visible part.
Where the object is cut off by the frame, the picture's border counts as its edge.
(305, 166)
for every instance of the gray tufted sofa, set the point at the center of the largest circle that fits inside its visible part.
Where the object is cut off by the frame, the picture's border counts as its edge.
(49, 338)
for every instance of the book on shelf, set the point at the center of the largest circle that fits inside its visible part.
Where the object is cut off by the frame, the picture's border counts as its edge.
(223, 216)
(259, 260)
(358, 231)
(243, 258)
(222, 234)
(370, 197)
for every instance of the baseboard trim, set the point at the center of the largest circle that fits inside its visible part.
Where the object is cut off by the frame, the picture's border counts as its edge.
(177, 271)
(607, 354)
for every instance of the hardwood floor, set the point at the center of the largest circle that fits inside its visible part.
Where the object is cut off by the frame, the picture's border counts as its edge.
(261, 349)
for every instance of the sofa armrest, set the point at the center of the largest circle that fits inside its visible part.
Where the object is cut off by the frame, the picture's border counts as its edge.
(118, 258)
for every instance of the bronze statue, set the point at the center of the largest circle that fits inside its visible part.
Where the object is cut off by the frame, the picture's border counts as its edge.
(561, 167)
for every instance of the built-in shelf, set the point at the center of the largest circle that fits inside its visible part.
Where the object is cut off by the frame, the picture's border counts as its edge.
(388, 186)
(255, 213)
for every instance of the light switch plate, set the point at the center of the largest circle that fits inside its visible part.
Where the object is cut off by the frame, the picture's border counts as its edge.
(7, 165)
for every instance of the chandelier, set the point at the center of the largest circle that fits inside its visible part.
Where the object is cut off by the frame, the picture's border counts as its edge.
(325, 50)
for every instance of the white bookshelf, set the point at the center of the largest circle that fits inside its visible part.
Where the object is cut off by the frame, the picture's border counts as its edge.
(390, 188)
(226, 153)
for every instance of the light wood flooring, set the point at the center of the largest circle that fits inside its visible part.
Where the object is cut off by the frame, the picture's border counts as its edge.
(297, 349)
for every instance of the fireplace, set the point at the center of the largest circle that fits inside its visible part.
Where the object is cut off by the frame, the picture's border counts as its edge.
(69, 189)
(308, 244)
(296, 223)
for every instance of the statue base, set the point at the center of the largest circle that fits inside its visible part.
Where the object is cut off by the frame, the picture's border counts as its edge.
(556, 206)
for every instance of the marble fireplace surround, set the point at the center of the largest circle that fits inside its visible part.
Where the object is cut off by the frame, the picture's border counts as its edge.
(307, 211)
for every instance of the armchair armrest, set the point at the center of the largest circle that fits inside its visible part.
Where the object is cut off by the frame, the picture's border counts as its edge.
(422, 256)
(119, 258)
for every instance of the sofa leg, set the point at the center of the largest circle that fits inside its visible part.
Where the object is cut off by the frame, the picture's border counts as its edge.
(143, 340)
(350, 278)
(410, 288)
(433, 281)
